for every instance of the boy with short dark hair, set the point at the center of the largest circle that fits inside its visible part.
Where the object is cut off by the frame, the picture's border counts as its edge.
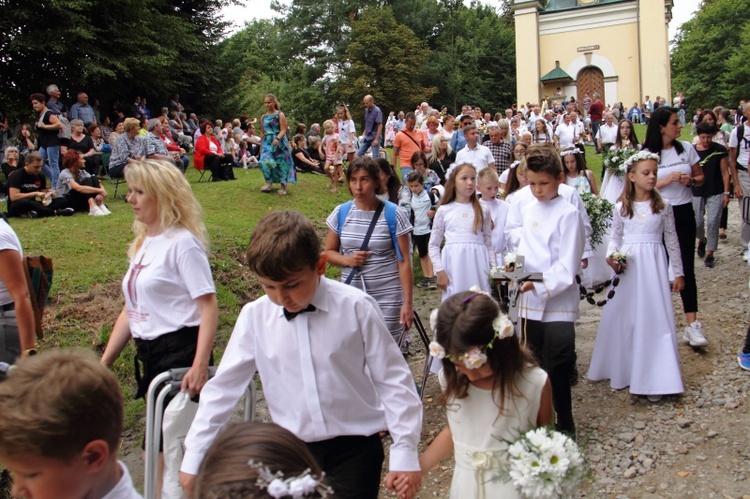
(60, 426)
(551, 237)
(422, 209)
(331, 372)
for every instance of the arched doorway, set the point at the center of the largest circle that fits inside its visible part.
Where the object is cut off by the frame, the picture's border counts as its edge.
(590, 80)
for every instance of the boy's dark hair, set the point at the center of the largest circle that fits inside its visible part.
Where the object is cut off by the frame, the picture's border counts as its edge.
(55, 403)
(415, 176)
(282, 243)
(543, 159)
(705, 127)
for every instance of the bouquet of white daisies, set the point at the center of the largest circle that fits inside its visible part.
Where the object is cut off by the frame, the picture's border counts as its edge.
(545, 463)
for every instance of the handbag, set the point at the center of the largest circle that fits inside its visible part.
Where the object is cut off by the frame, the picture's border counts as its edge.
(366, 240)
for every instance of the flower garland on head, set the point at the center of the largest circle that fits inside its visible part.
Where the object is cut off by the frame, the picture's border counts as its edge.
(451, 170)
(296, 487)
(639, 156)
(569, 152)
(476, 357)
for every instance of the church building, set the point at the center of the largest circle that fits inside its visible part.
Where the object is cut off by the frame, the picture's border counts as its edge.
(571, 48)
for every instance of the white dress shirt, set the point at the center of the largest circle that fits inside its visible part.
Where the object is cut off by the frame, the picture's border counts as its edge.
(331, 372)
(607, 134)
(480, 157)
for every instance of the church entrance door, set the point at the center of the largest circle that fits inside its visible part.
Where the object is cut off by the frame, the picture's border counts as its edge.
(590, 80)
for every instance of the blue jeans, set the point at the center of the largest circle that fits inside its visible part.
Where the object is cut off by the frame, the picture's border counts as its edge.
(51, 166)
(405, 172)
(595, 125)
(366, 144)
(681, 114)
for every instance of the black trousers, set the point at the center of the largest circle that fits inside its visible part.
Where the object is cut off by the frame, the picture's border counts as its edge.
(220, 166)
(554, 344)
(23, 206)
(352, 464)
(80, 201)
(684, 219)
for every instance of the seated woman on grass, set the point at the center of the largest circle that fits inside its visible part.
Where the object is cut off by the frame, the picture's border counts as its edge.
(82, 190)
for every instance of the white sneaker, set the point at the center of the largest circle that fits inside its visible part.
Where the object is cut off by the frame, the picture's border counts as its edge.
(694, 335)
(104, 210)
(95, 212)
(746, 255)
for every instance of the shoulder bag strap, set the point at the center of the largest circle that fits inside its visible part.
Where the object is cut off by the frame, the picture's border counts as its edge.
(412, 139)
(366, 240)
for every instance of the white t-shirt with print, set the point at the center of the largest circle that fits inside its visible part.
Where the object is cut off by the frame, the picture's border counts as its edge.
(346, 128)
(676, 193)
(743, 150)
(8, 241)
(165, 276)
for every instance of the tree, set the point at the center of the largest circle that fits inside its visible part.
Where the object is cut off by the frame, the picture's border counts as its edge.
(708, 55)
(385, 59)
(109, 48)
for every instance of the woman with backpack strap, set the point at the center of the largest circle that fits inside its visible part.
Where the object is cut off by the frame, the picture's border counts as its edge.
(370, 242)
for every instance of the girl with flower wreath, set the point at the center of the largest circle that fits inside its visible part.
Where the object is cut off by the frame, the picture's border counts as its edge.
(636, 345)
(493, 392)
(626, 144)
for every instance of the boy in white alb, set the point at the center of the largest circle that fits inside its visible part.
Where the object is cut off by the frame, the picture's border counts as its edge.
(551, 238)
(488, 185)
(331, 372)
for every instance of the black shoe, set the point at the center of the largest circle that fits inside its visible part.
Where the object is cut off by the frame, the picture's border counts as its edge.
(423, 283)
(701, 249)
(709, 261)
(65, 212)
(30, 214)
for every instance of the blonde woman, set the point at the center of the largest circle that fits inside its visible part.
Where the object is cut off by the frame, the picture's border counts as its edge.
(170, 301)
(441, 156)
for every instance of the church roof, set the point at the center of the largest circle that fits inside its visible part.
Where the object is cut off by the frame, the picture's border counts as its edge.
(555, 74)
(558, 5)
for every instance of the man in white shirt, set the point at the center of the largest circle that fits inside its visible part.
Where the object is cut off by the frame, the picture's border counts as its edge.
(331, 372)
(477, 155)
(536, 113)
(565, 134)
(607, 134)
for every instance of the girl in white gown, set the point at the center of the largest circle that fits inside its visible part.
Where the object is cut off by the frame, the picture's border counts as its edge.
(626, 139)
(582, 180)
(636, 344)
(466, 226)
(492, 390)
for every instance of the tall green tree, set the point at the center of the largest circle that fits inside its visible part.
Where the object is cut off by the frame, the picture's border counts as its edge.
(110, 48)
(385, 59)
(709, 54)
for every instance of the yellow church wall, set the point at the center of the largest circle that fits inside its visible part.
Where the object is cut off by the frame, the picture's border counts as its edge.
(618, 44)
(527, 57)
(655, 71)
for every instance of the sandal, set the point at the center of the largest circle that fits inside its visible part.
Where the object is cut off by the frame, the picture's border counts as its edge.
(281, 192)
(266, 188)
(335, 190)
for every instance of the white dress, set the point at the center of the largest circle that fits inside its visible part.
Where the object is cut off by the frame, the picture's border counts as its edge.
(636, 344)
(467, 255)
(480, 435)
(597, 271)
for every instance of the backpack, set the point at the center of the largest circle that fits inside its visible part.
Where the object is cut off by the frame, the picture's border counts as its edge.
(741, 136)
(390, 218)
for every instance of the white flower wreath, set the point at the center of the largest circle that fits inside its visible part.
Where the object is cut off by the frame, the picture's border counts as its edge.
(639, 156)
(296, 487)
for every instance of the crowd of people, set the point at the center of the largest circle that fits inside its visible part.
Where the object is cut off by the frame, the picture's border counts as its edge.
(470, 194)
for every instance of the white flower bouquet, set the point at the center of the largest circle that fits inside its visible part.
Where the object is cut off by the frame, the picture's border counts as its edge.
(600, 212)
(545, 463)
(613, 160)
(510, 262)
(619, 257)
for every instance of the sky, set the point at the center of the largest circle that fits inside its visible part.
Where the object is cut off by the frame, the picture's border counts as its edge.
(261, 9)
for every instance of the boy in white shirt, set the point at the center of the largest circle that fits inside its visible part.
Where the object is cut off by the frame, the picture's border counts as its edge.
(551, 238)
(60, 427)
(475, 154)
(331, 372)
(423, 210)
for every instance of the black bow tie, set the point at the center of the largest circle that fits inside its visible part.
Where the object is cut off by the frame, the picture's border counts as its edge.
(291, 315)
